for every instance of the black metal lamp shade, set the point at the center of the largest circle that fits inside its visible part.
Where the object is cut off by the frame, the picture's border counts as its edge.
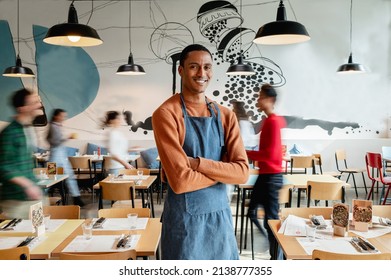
(18, 71)
(72, 33)
(240, 68)
(130, 68)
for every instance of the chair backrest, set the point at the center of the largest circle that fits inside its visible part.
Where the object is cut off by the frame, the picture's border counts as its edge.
(80, 162)
(383, 211)
(306, 212)
(340, 155)
(18, 253)
(123, 255)
(115, 191)
(123, 212)
(146, 171)
(303, 162)
(62, 211)
(318, 162)
(374, 165)
(285, 195)
(325, 191)
(323, 255)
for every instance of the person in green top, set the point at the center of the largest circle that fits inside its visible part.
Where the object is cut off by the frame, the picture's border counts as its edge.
(18, 189)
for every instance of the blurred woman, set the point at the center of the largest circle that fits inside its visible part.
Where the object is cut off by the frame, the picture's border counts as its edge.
(116, 143)
(58, 152)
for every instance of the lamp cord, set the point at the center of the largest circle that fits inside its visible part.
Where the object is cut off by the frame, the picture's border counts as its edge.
(92, 10)
(351, 24)
(130, 29)
(241, 21)
(17, 26)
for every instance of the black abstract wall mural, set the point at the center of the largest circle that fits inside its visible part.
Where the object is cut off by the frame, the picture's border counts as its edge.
(216, 24)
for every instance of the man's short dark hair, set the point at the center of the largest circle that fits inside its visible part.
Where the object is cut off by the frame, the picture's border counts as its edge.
(19, 97)
(56, 112)
(191, 48)
(269, 90)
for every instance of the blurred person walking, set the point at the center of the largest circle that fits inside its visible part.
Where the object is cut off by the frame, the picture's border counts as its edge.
(18, 188)
(58, 152)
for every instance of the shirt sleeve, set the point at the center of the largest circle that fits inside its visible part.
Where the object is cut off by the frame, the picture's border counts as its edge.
(181, 175)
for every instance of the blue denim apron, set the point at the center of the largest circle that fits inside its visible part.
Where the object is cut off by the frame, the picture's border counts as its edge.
(198, 225)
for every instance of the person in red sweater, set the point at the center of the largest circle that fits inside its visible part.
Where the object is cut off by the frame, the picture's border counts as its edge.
(269, 158)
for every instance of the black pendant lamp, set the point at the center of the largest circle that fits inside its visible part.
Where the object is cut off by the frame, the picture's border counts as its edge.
(281, 31)
(240, 68)
(72, 33)
(130, 68)
(351, 67)
(18, 71)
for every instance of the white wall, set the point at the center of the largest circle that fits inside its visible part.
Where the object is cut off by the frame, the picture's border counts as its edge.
(312, 89)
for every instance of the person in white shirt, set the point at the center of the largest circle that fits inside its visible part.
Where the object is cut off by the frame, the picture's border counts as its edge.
(116, 143)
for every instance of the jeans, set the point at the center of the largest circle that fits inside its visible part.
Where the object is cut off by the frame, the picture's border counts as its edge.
(266, 192)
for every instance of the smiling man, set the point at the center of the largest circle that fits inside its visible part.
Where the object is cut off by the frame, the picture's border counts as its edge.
(201, 150)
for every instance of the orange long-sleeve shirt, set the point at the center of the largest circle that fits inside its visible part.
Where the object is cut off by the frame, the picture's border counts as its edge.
(186, 175)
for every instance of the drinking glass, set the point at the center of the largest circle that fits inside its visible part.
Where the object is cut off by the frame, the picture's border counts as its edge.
(87, 230)
(311, 232)
(132, 218)
(140, 174)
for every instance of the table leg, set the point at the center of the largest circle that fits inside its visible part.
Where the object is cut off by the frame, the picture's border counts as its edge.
(150, 190)
(237, 209)
(242, 219)
(298, 197)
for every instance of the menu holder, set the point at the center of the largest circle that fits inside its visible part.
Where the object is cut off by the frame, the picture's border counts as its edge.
(340, 219)
(36, 217)
(362, 214)
(52, 169)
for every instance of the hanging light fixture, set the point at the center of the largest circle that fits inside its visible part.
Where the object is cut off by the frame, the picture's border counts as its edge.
(18, 71)
(130, 68)
(240, 68)
(72, 33)
(351, 67)
(281, 31)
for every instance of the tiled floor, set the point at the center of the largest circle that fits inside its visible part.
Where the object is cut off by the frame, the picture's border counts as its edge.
(260, 242)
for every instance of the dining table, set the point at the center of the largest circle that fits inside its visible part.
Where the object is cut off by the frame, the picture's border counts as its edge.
(148, 238)
(43, 246)
(48, 181)
(299, 182)
(145, 185)
(294, 250)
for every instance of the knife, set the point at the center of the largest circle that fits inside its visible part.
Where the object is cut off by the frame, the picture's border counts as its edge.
(367, 243)
(99, 223)
(10, 223)
(27, 241)
(355, 246)
(120, 241)
(125, 242)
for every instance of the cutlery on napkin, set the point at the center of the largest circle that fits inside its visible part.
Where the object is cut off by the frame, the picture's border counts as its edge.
(99, 223)
(11, 224)
(27, 241)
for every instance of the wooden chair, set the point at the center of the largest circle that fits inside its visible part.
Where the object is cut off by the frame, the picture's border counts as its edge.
(116, 191)
(18, 253)
(300, 164)
(318, 162)
(383, 211)
(123, 255)
(325, 191)
(340, 160)
(62, 211)
(123, 212)
(324, 255)
(83, 170)
(374, 164)
(326, 212)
